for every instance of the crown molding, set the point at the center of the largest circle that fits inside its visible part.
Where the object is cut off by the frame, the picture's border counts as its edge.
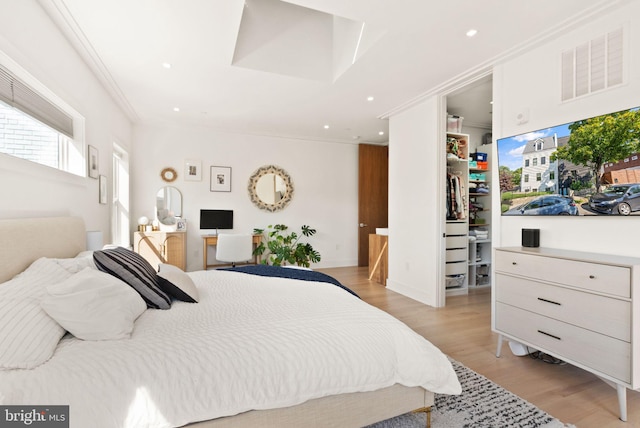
(62, 17)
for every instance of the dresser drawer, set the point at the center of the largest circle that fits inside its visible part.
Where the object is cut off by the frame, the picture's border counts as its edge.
(455, 268)
(596, 351)
(457, 242)
(458, 255)
(614, 280)
(457, 229)
(605, 315)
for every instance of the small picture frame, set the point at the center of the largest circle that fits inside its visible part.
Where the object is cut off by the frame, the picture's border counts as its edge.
(220, 179)
(181, 224)
(192, 170)
(92, 162)
(102, 182)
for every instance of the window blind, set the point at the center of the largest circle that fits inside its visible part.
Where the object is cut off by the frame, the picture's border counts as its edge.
(20, 96)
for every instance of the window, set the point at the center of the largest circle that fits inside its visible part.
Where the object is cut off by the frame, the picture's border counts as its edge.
(526, 178)
(535, 161)
(543, 160)
(37, 126)
(552, 175)
(120, 201)
(526, 162)
(538, 176)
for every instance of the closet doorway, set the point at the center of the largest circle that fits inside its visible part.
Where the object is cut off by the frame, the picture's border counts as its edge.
(468, 246)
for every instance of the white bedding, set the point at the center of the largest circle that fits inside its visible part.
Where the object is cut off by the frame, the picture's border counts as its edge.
(250, 343)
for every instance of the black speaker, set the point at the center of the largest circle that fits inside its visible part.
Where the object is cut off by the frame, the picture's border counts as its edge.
(530, 237)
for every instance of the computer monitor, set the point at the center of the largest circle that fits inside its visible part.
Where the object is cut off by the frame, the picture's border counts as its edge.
(216, 219)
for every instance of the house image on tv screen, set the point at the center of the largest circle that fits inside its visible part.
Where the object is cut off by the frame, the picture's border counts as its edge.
(541, 174)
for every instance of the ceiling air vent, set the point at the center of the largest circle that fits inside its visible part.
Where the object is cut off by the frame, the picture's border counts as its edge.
(593, 66)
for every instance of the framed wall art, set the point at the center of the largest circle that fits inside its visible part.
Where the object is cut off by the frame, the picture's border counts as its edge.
(192, 170)
(92, 162)
(220, 179)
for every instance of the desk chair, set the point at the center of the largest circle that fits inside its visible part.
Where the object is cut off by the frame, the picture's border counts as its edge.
(234, 248)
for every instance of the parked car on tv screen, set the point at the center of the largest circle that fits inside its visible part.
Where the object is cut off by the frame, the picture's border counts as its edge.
(620, 199)
(546, 205)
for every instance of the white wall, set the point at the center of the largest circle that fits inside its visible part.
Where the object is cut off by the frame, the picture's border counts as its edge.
(415, 223)
(324, 175)
(532, 81)
(28, 189)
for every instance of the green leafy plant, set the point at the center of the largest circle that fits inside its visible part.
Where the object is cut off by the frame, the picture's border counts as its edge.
(283, 247)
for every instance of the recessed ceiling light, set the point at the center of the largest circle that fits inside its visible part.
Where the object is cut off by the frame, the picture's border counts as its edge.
(472, 32)
(176, 109)
(326, 127)
(381, 133)
(166, 65)
(369, 98)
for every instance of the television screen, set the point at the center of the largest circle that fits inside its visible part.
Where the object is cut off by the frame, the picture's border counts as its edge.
(216, 219)
(587, 167)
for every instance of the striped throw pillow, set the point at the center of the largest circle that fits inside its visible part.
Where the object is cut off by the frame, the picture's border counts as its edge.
(133, 269)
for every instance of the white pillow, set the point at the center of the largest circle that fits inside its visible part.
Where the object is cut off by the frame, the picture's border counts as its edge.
(28, 336)
(93, 305)
(177, 283)
(79, 262)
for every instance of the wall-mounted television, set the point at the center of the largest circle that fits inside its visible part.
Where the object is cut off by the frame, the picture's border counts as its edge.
(585, 168)
(216, 219)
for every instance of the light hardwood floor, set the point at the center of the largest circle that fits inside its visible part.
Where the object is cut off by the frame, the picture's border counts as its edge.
(462, 330)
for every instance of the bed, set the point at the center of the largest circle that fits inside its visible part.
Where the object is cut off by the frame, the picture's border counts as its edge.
(239, 357)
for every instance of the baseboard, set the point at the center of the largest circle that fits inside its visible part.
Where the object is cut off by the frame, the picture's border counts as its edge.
(411, 292)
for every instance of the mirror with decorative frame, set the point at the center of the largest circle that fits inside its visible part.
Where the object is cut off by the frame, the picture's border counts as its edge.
(168, 207)
(270, 188)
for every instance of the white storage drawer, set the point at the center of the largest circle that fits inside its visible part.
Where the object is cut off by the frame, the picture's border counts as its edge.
(614, 280)
(457, 228)
(457, 242)
(601, 314)
(458, 255)
(596, 351)
(456, 268)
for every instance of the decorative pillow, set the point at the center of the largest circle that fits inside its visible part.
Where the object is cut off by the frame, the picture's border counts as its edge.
(175, 282)
(93, 305)
(133, 269)
(28, 336)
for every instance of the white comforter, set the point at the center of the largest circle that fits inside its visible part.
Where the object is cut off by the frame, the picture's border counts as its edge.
(251, 343)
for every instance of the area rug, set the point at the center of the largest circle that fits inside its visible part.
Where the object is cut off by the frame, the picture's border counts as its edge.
(482, 404)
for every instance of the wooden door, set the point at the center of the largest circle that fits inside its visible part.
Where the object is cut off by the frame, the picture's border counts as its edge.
(373, 195)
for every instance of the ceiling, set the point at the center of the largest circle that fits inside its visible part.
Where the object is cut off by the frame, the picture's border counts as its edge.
(297, 68)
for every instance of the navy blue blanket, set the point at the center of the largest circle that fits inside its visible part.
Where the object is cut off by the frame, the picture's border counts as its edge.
(283, 272)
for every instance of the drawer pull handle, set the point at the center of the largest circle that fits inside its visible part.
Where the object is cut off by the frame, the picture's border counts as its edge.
(592, 277)
(548, 334)
(549, 301)
(514, 263)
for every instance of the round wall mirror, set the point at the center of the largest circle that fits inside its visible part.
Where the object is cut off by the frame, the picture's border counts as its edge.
(168, 207)
(270, 188)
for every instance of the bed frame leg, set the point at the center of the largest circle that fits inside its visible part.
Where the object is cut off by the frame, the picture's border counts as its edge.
(426, 411)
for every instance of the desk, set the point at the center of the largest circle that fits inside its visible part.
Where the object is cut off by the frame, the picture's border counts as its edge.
(378, 258)
(212, 240)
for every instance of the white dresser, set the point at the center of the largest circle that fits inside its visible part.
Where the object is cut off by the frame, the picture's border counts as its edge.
(576, 306)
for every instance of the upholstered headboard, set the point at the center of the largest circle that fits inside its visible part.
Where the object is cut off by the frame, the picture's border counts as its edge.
(23, 241)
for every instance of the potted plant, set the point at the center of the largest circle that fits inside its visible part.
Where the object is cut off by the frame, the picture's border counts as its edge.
(285, 247)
